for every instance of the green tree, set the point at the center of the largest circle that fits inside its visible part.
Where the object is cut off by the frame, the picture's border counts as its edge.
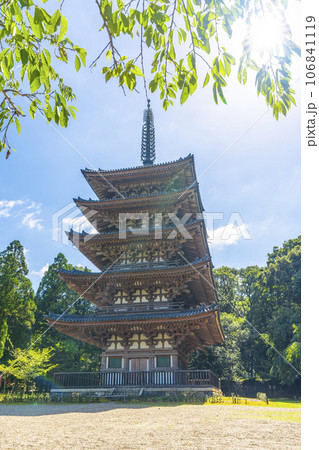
(30, 39)
(225, 360)
(185, 38)
(283, 289)
(16, 297)
(53, 295)
(260, 314)
(25, 366)
(184, 41)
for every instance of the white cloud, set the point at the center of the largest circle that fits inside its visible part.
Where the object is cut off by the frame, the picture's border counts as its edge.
(30, 221)
(227, 235)
(25, 210)
(6, 207)
(41, 271)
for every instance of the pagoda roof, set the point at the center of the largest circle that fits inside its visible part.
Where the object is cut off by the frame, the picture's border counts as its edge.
(92, 285)
(141, 170)
(90, 244)
(136, 316)
(136, 268)
(202, 321)
(109, 183)
(104, 213)
(141, 200)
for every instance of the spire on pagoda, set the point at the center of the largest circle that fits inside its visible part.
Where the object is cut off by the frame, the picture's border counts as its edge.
(148, 137)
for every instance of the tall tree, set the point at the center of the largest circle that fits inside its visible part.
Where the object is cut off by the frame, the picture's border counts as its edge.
(16, 297)
(283, 289)
(260, 314)
(53, 295)
(225, 360)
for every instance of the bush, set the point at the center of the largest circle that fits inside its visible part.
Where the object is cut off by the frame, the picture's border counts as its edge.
(262, 397)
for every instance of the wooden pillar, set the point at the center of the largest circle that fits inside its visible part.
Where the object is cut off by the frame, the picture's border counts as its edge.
(174, 361)
(103, 363)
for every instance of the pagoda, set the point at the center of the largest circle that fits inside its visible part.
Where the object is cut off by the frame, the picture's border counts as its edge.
(154, 295)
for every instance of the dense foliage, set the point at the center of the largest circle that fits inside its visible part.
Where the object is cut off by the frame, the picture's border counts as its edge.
(259, 310)
(173, 46)
(16, 298)
(32, 41)
(53, 295)
(23, 322)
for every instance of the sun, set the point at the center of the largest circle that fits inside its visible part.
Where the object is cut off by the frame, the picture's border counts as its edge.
(267, 34)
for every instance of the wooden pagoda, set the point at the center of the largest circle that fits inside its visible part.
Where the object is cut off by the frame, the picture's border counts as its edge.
(154, 292)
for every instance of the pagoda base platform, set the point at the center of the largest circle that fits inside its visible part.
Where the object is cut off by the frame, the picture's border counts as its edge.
(127, 392)
(124, 384)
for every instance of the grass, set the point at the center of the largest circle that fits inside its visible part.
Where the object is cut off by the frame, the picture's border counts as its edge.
(285, 403)
(272, 403)
(19, 398)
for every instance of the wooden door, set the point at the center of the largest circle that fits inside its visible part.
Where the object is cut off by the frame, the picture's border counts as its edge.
(139, 364)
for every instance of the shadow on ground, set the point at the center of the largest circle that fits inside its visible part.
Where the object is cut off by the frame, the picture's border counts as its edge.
(50, 409)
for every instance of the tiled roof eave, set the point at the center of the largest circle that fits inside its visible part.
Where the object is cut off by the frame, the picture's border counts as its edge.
(79, 273)
(133, 317)
(139, 168)
(169, 195)
(110, 235)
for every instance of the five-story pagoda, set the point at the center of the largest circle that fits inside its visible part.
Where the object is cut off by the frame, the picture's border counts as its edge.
(154, 295)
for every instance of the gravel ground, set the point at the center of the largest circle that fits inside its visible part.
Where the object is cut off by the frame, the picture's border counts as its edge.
(127, 426)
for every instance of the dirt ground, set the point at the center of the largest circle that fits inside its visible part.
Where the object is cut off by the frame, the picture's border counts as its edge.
(127, 426)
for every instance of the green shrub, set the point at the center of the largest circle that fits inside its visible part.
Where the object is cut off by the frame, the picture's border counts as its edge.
(262, 397)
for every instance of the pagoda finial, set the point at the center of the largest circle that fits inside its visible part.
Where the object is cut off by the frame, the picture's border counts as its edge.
(148, 137)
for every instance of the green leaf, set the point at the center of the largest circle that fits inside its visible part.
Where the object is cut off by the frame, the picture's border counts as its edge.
(18, 125)
(4, 68)
(82, 54)
(190, 61)
(77, 63)
(185, 93)
(206, 81)
(24, 56)
(52, 26)
(63, 28)
(33, 109)
(215, 93)
(220, 93)
(72, 111)
(36, 27)
(137, 71)
(229, 57)
(38, 15)
(35, 81)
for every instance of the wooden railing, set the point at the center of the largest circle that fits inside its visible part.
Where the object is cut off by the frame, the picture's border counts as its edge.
(149, 265)
(156, 378)
(141, 307)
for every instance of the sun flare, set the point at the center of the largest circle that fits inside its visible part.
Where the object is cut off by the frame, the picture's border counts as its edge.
(266, 34)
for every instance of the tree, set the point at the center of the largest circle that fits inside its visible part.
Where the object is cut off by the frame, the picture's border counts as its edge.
(53, 295)
(30, 38)
(226, 360)
(182, 39)
(260, 314)
(16, 297)
(25, 366)
(283, 289)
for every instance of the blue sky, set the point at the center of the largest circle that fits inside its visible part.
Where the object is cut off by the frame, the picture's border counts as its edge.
(258, 177)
